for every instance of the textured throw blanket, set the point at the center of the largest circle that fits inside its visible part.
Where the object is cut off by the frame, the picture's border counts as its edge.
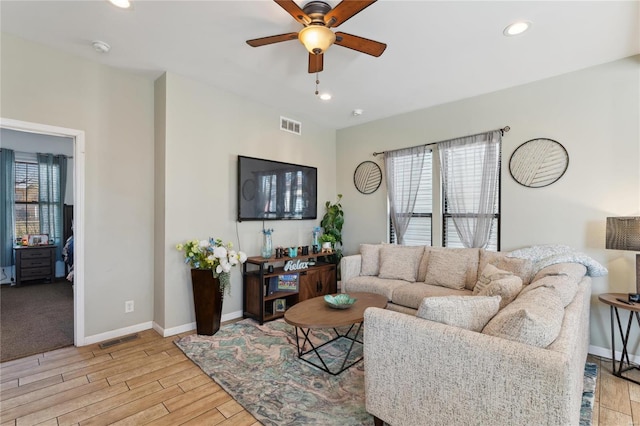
(550, 254)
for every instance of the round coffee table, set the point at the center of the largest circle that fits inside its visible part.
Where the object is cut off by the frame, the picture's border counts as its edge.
(316, 314)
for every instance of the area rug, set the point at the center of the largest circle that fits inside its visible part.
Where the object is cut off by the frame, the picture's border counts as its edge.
(258, 366)
(588, 392)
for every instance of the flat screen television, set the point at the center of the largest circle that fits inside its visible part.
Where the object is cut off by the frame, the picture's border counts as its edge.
(272, 190)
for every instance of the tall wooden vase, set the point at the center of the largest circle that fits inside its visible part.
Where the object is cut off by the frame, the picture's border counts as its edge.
(207, 299)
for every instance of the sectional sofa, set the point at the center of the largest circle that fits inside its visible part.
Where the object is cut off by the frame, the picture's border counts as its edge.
(474, 337)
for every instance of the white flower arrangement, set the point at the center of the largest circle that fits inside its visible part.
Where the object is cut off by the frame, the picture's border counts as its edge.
(213, 254)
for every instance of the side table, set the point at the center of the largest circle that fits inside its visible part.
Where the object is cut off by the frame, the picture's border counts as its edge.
(615, 303)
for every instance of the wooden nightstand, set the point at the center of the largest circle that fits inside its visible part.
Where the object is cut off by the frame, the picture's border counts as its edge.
(35, 263)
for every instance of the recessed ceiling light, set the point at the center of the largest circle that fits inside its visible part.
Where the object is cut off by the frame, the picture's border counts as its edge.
(325, 96)
(517, 28)
(124, 4)
(101, 46)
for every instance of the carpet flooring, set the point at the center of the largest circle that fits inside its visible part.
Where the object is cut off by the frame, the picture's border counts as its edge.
(258, 366)
(35, 318)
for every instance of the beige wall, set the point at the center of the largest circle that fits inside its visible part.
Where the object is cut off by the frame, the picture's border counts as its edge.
(594, 113)
(115, 109)
(205, 130)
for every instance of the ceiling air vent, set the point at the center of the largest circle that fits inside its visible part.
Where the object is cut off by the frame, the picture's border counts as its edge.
(291, 126)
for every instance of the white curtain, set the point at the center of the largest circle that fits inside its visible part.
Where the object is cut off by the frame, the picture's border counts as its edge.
(470, 174)
(403, 173)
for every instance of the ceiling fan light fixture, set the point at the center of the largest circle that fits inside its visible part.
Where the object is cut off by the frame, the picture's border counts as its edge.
(316, 38)
(516, 28)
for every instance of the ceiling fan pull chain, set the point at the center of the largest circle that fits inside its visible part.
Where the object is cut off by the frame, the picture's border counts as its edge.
(317, 82)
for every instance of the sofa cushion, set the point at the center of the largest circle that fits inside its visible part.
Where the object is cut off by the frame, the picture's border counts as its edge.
(372, 285)
(411, 295)
(452, 267)
(574, 270)
(520, 267)
(424, 263)
(534, 318)
(468, 312)
(507, 288)
(370, 253)
(490, 273)
(400, 262)
(564, 286)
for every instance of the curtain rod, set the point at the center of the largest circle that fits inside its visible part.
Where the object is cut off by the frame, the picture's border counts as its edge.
(504, 130)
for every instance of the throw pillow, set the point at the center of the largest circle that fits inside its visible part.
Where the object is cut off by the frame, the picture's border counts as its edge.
(370, 254)
(424, 263)
(564, 286)
(447, 268)
(507, 288)
(490, 273)
(534, 318)
(468, 312)
(574, 270)
(400, 262)
(520, 267)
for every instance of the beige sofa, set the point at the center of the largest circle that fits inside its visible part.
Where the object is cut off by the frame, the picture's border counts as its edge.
(455, 359)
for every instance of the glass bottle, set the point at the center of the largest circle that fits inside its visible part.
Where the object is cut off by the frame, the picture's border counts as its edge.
(267, 244)
(315, 244)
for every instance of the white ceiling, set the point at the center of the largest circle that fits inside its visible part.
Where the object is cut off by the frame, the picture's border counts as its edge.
(438, 51)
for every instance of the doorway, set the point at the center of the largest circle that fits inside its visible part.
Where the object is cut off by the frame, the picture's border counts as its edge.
(78, 138)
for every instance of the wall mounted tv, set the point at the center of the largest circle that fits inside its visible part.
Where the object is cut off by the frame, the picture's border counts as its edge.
(272, 190)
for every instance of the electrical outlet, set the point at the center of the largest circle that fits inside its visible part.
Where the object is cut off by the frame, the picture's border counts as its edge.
(128, 306)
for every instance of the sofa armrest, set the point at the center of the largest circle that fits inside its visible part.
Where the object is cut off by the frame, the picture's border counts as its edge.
(417, 369)
(349, 268)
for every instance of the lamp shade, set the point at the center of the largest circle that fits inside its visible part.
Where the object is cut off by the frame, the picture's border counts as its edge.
(623, 233)
(316, 38)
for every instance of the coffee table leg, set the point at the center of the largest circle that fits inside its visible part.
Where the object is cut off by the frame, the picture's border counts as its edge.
(301, 352)
(351, 346)
(301, 348)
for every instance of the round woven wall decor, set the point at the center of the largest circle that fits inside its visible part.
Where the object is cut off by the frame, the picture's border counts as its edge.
(538, 162)
(367, 177)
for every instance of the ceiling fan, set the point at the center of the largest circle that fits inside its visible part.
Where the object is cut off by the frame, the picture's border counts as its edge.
(318, 18)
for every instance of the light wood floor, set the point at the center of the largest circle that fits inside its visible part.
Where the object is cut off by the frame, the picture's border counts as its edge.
(144, 381)
(150, 381)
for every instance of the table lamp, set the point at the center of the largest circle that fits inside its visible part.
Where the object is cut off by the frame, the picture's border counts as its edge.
(623, 233)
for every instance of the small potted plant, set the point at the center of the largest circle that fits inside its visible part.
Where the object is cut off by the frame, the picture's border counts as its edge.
(328, 242)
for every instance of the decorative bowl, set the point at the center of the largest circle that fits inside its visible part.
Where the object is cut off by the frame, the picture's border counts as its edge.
(339, 301)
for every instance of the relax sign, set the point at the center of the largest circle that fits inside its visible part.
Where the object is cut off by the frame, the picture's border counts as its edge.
(295, 266)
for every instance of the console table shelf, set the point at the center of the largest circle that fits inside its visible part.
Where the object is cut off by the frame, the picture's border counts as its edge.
(314, 280)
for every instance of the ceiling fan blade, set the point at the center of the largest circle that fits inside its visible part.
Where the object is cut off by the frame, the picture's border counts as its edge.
(345, 10)
(256, 42)
(316, 63)
(361, 44)
(294, 10)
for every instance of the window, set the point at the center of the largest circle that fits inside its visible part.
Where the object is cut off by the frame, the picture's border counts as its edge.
(27, 219)
(420, 230)
(466, 164)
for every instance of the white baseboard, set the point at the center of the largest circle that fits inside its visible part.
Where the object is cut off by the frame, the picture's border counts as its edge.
(166, 332)
(606, 353)
(114, 334)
